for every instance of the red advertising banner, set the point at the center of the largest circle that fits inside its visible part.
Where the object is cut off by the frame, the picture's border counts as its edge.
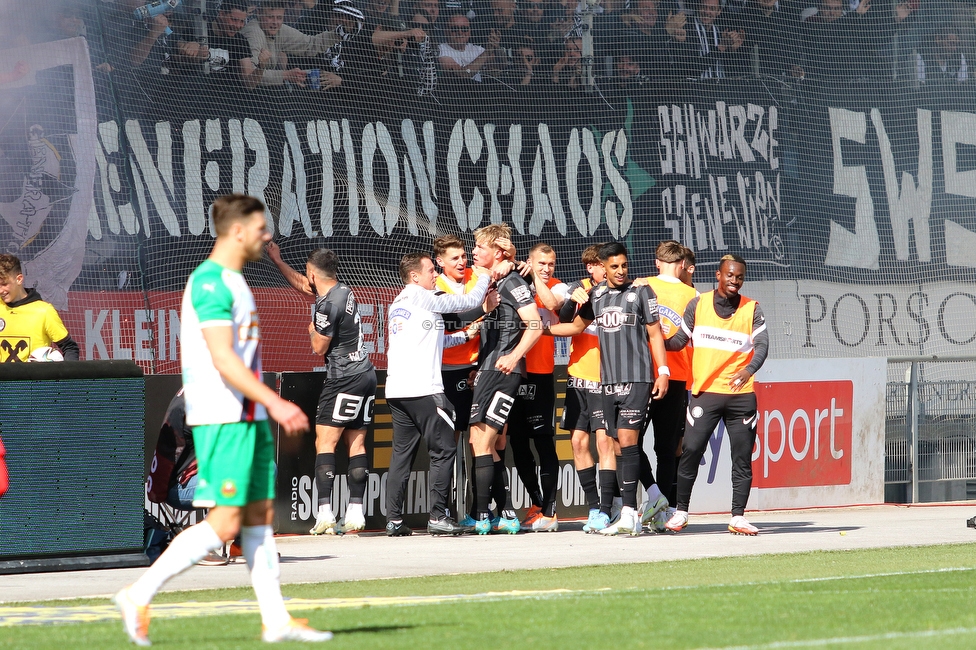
(804, 434)
(145, 327)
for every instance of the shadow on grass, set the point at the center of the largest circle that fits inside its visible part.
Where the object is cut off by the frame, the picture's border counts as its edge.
(370, 629)
(304, 558)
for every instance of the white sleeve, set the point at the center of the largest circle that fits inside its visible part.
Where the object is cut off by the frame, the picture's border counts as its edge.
(448, 303)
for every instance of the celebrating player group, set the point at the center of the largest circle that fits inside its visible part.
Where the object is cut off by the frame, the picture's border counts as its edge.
(473, 350)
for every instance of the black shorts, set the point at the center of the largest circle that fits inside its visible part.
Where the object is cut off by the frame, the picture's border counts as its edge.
(625, 406)
(534, 412)
(493, 397)
(457, 389)
(583, 408)
(347, 402)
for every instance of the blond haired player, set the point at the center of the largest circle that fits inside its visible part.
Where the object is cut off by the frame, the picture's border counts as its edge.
(508, 333)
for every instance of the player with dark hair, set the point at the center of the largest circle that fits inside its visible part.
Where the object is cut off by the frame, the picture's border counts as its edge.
(668, 415)
(583, 408)
(630, 339)
(228, 406)
(508, 333)
(346, 404)
(729, 333)
(533, 415)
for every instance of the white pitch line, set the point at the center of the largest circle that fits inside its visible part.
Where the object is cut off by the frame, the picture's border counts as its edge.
(839, 640)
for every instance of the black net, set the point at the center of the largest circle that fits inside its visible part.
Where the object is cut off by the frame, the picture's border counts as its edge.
(831, 144)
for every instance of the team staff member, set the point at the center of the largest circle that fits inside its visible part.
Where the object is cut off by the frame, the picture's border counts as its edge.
(508, 333)
(583, 408)
(346, 403)
(630, 338)
(729, 333)
(228, 406)
(533, 416)
(668, 415)
(27, 322)
(415, 389)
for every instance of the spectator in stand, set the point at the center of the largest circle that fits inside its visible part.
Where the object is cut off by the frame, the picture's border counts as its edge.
(430, 10)
(713, 47)
(834, 42)
(568, 70)
(532, 26)
(133, 44)
(942, 60)
(461, 59)
(228, 52)
(390, 35)
(773, 27)
(648, 37)
(504, 28)
(269, 33)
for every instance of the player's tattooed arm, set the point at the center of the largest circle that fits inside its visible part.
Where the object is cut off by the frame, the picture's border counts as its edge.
(297, 280)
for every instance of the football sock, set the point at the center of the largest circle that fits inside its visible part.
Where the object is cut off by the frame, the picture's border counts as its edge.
(324, 477)
(628, 469)
(646, 472)
(608, 483)
(484, 470)
(258, 545)
(526, 467)
(500, 490)
(549, 473)
(188, 548)
(587, 479)
(357, 476)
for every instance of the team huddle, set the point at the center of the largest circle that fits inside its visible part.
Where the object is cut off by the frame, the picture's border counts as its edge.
(470, 350)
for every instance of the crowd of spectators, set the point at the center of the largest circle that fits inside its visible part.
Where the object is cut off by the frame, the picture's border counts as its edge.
(432, 47)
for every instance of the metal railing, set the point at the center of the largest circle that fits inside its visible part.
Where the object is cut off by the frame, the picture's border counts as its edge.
(930, 430)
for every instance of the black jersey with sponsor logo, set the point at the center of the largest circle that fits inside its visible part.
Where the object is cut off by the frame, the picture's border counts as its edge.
(502, 329)
(621, 315)
(336, 314)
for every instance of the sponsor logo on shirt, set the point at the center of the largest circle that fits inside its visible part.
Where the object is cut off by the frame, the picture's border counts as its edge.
(321, 321)
(614, 318)
(522, 294)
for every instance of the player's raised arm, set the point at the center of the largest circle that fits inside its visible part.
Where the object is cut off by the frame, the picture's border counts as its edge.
(297, 280)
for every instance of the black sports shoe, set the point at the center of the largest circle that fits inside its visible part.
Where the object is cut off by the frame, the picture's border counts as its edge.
(971, 522)
(445, 526)
(397, 529)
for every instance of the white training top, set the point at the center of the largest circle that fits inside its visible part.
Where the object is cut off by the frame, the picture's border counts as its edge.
(416, 339)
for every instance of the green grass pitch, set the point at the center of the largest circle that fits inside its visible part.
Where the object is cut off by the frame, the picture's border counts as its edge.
(918, 597)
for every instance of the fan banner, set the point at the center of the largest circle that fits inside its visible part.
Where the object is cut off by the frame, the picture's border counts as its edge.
(858, 188)
(48, 120)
